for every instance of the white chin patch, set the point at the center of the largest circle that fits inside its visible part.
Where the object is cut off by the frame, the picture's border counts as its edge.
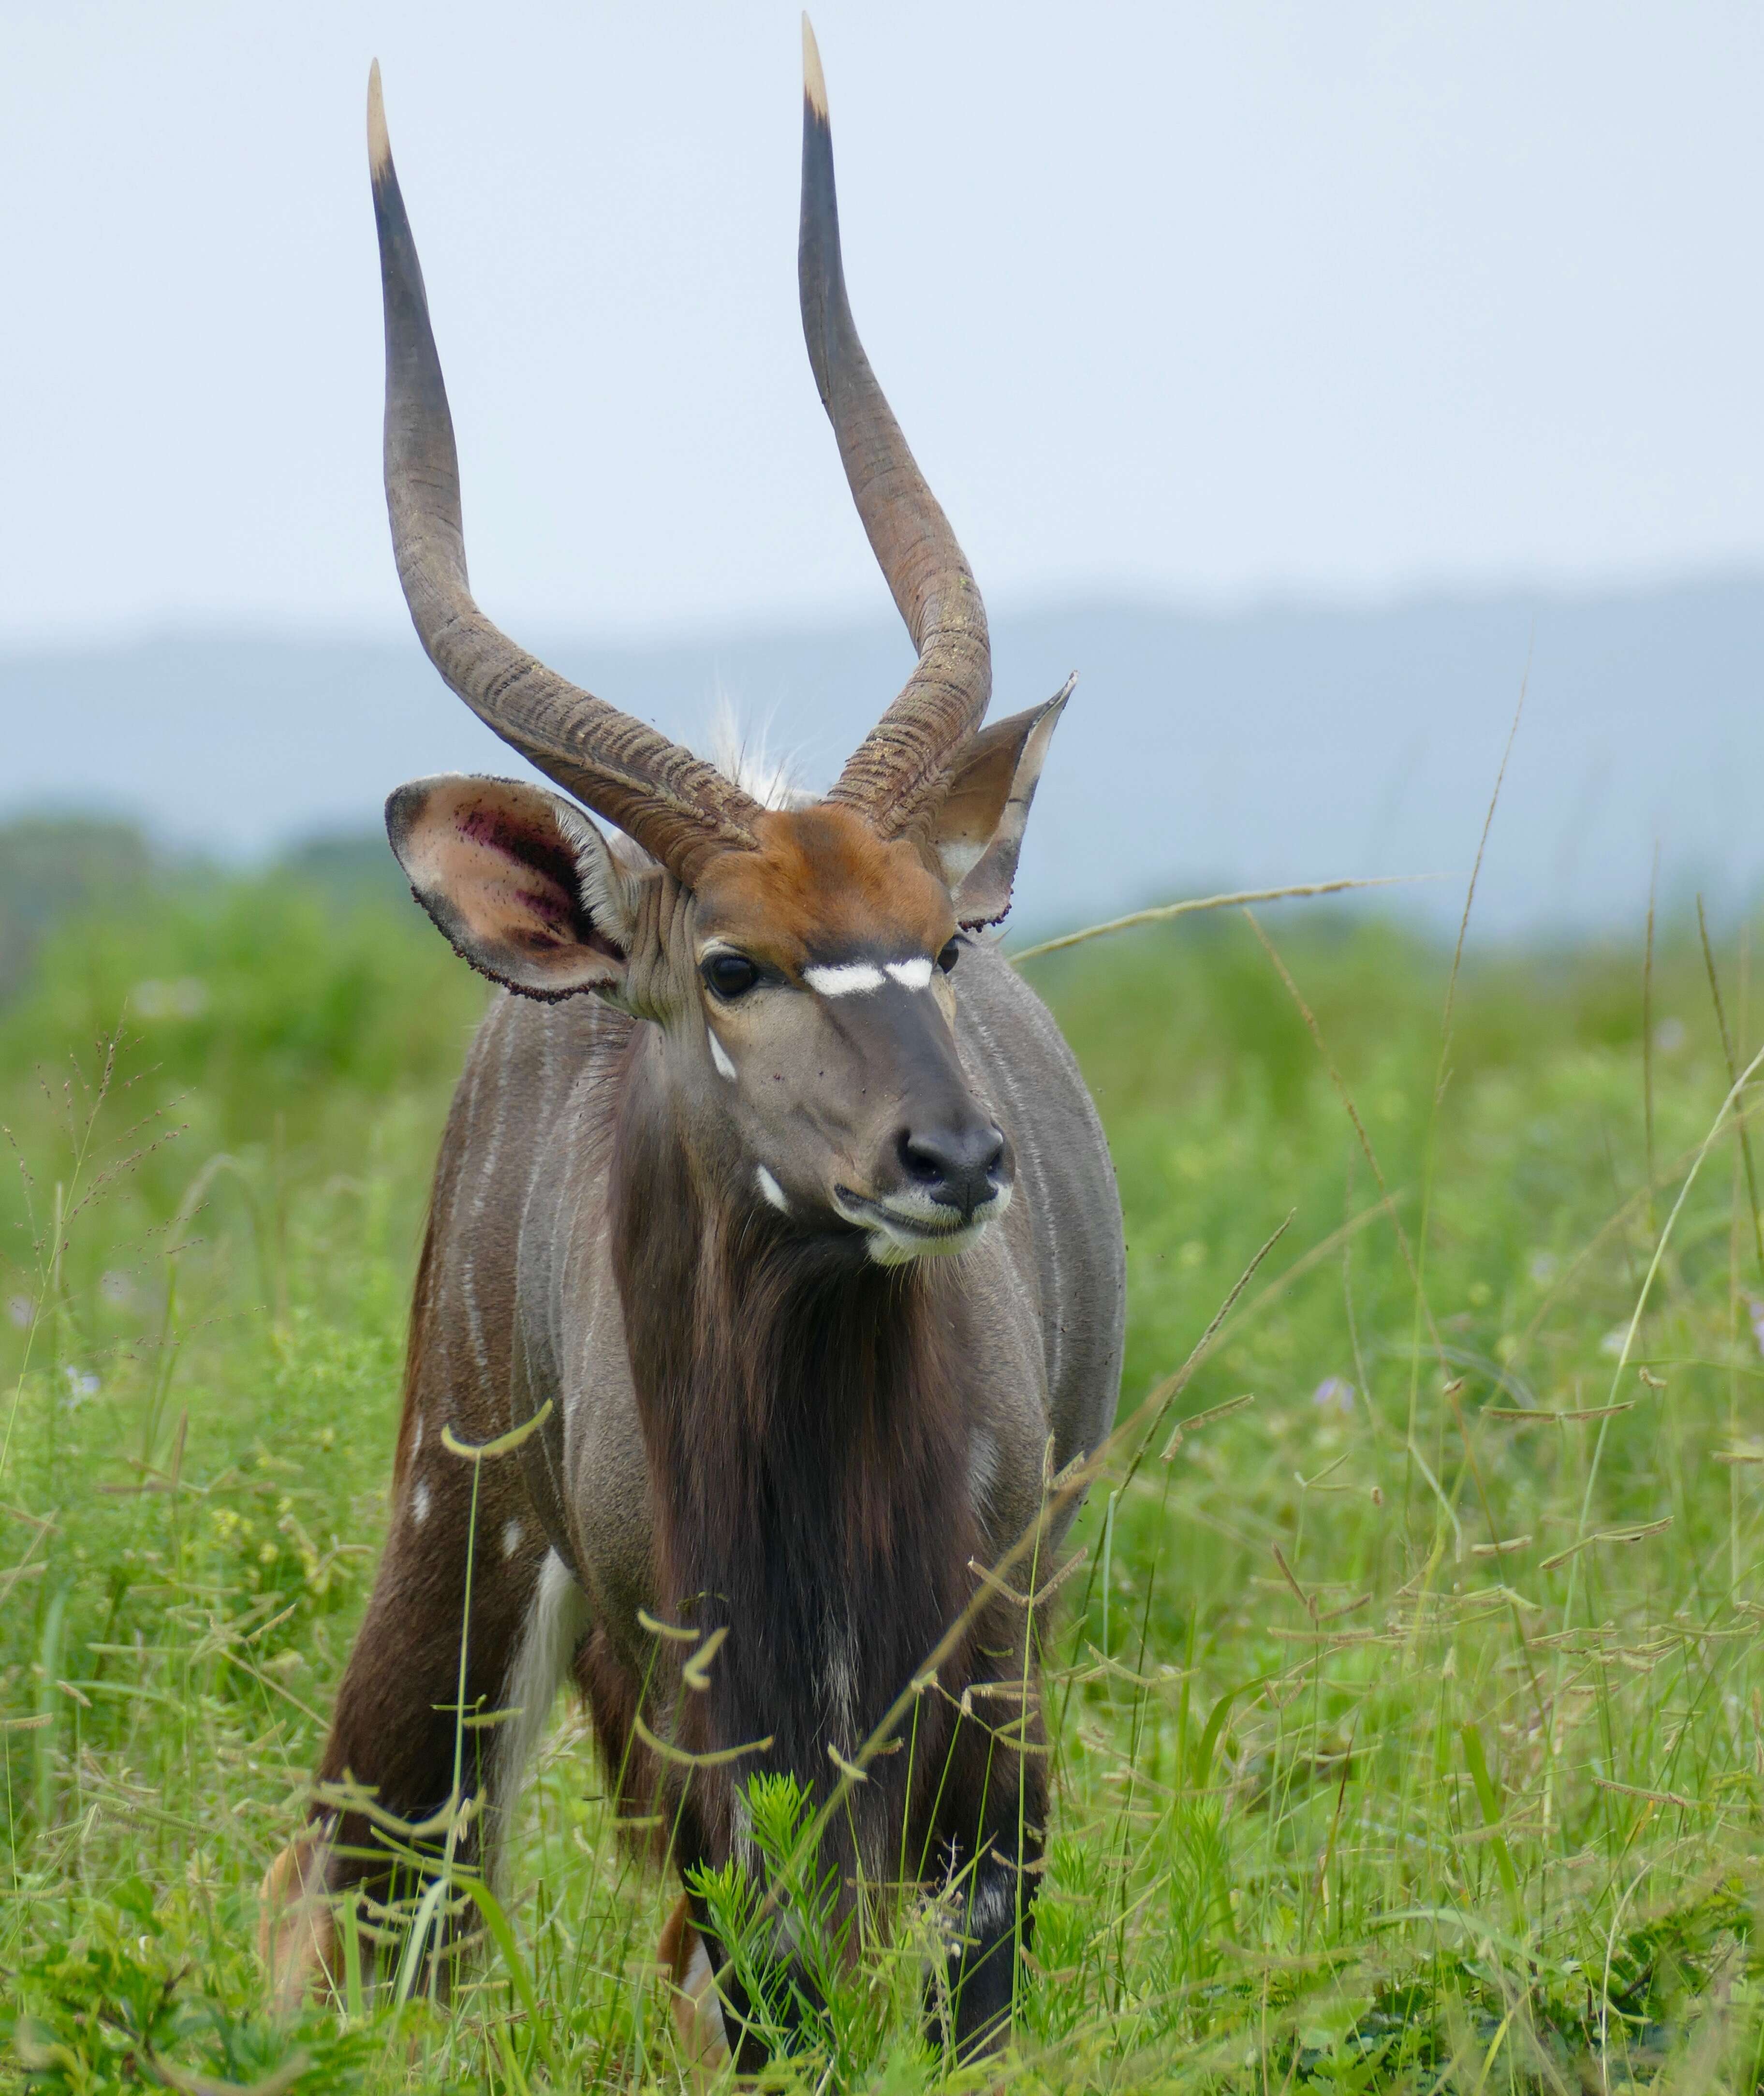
(889, 1248)
(898, 1244)
(770, 1187)
(720, 1055)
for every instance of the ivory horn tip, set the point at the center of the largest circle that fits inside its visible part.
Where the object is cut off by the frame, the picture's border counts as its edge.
(814, 80)
(379, 143)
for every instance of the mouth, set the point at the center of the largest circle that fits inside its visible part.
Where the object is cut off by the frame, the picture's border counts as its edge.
(899, 1231)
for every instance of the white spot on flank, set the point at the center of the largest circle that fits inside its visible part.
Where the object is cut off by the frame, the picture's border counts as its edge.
(993, 1904)
(770, 1187)
(511, 1539)
(911, 975)
(720, 1056)
(419, 1505)
(841, 1682)
(849, 979)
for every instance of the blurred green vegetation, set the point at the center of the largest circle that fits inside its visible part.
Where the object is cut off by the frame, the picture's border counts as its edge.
(1407, 1718)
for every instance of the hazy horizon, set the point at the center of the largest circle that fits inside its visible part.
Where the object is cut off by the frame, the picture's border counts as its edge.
(1292, 742)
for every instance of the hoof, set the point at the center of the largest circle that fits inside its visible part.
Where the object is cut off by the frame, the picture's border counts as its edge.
(697, 2013)
(296, 1929)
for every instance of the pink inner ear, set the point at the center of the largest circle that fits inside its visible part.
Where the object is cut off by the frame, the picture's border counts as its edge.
(522, 873)
(494, 863)
(524, 870)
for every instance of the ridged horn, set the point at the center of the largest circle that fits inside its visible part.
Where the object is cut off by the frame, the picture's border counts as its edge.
(678, 808)
(897, 771)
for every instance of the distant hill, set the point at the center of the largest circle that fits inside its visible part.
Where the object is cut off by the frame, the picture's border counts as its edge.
(1275, 744)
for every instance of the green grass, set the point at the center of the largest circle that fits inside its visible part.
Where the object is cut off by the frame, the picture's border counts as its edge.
(1399, 1741)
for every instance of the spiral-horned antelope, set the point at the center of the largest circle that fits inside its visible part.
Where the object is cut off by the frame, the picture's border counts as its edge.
(778, 1200)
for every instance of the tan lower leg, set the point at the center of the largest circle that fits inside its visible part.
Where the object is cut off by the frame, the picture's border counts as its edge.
(697, 2013)
(296, 1929)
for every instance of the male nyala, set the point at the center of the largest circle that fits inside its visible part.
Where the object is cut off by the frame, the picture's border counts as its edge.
(774, 1195)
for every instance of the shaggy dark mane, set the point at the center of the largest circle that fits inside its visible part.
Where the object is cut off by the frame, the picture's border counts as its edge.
(808, 1474)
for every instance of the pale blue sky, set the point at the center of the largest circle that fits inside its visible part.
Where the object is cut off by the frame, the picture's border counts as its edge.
(1196, 301)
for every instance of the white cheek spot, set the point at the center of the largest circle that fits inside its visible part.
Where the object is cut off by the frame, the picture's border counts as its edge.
(511, 1538)
(851, 979)
(770, 1187)
(419, 1505)
(720, 1055)
(911, 975)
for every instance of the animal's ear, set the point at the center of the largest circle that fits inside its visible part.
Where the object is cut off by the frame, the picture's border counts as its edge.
(978, 832)
(523, 883)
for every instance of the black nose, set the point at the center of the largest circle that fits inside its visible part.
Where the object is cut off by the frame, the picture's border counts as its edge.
(955, 1166)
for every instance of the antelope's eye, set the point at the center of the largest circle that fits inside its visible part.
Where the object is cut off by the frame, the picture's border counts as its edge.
(730, 975)
(951, 953)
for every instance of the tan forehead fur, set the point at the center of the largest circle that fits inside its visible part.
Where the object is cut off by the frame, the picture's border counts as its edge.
(822, 886)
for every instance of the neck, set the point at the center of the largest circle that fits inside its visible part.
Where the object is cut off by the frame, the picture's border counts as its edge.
(804, 1416)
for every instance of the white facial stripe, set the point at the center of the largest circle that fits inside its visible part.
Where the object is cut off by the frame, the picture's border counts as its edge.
(770, 1187)
(853, 978)
(720, 1056)
(849, 979)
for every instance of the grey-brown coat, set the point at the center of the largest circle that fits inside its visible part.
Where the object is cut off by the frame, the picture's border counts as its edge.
(773, 1195)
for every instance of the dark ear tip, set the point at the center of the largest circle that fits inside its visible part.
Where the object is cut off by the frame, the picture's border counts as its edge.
(404, 808)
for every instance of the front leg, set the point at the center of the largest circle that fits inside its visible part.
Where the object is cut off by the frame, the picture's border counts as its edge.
(992, 1825)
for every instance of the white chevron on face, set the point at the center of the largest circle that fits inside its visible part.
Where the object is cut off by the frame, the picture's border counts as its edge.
(856, 978)
(849, 979)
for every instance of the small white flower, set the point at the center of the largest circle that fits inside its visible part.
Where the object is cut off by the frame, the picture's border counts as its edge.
(1334, 1394)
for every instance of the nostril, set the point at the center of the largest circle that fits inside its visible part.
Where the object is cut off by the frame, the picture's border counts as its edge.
(921, 1159)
